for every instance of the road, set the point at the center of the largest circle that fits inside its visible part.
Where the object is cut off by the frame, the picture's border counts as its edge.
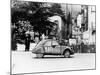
(26, 62)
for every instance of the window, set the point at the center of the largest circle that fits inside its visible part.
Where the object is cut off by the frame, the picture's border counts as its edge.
(93, 8)
(55, 43)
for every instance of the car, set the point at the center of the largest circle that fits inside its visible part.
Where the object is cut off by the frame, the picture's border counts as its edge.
(52, 47)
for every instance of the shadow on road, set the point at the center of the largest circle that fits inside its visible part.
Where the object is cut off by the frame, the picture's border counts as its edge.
(53, 57)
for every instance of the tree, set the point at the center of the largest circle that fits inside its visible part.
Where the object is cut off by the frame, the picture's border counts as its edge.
(56, 9)
(20, 8)
(69, 30)
(36, 13)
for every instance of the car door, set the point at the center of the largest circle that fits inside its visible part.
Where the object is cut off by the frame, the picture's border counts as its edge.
(47, 47)
(56, 47)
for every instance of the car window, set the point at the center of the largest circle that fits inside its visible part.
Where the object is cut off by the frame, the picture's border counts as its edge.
(55, 43)
(48, 43)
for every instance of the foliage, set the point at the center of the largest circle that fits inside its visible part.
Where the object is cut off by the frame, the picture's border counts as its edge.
(56, 9)
(36, 13)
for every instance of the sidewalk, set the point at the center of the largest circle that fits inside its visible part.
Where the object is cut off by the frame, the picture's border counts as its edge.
(21, 47)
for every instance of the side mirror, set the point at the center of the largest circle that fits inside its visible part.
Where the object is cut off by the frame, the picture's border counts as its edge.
(53, 46)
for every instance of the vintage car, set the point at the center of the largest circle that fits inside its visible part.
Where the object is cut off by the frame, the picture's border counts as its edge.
(52, 47)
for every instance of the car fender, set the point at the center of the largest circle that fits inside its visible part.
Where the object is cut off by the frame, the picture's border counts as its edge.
(39, 50)
(66, 49)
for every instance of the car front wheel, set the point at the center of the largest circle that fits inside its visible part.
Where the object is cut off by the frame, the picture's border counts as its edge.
(67, 54)
(39, 55)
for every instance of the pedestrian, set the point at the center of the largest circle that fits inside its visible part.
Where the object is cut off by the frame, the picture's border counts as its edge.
(27, 42)
(43, 36)
(32, 35)
(36, 37)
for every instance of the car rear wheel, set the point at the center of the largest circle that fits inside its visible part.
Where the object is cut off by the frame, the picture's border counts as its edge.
(39, 55)
(67, 54)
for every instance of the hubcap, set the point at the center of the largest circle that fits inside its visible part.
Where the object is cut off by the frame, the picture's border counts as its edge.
(67, 54)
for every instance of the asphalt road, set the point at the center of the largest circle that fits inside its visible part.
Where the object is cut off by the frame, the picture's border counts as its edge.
(26, 62)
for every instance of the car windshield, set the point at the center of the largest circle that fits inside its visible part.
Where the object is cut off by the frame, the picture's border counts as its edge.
(40, 43)
(48, 43)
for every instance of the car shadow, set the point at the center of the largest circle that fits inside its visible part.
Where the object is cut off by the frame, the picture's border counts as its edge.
(53, 57)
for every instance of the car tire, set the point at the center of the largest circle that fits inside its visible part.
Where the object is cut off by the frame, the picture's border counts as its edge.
(67, 54)
(39, 55)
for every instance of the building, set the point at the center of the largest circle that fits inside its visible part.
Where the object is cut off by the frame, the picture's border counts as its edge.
(90, 35)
